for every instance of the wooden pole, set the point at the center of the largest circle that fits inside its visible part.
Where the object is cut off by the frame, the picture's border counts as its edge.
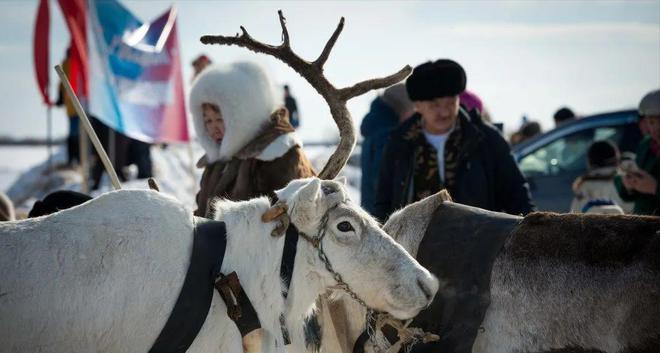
(83, 156)
(88, 127)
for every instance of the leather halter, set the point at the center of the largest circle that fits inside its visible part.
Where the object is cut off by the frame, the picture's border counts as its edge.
(288, 260)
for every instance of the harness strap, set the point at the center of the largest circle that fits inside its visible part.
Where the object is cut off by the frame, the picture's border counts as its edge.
(192, 305)
(288, 258)
(286, 270)
(360, 342)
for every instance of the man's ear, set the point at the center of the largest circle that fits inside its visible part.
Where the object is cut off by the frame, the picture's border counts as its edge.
(306, 203)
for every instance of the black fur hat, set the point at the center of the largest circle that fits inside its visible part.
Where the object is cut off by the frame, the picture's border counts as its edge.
(442, 78)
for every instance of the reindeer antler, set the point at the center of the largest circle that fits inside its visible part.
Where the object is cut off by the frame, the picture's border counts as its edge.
(313, 73)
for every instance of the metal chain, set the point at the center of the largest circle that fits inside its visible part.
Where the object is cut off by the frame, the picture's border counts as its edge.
(372, 316)
(370, 319)
(316, 242)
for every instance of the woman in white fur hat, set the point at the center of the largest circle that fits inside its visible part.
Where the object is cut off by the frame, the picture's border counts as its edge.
(251, 147)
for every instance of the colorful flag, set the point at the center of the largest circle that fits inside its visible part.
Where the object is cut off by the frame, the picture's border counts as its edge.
(135, 80)
(40, 49)
(75, 16)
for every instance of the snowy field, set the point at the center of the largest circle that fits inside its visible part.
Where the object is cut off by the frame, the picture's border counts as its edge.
(24, 175)
(18, 159)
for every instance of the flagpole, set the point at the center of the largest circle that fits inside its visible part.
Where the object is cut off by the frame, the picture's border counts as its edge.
(83, 156)
(88, 127)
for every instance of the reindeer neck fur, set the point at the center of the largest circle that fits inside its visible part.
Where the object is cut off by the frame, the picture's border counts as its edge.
(256, 257)
(308, 281)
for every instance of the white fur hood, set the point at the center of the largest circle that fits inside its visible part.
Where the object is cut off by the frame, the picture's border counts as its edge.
(246, 99)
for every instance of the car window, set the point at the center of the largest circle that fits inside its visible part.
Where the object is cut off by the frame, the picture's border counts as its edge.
(568, 153)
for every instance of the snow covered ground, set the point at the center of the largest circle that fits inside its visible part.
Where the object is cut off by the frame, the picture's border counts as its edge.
(24, 175)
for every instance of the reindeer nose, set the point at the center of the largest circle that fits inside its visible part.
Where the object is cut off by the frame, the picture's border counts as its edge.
(427, 287)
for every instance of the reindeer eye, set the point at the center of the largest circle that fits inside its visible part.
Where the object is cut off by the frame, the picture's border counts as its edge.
(345, 227)
(327, 190)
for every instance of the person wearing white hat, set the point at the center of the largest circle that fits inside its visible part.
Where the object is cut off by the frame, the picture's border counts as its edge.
(250, 147)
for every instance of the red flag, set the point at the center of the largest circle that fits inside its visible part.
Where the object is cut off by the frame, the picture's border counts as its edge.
(40, 49)
(175, 126)
(75, 15)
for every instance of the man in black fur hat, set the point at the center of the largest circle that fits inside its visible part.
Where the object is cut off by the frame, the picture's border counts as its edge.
(443, 146)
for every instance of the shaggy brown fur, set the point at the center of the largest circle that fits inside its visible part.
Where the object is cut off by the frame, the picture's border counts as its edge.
(651, 347)
(597, 240)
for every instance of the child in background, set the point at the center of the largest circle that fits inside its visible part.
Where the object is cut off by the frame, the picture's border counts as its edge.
(595, 191)
(250, 147)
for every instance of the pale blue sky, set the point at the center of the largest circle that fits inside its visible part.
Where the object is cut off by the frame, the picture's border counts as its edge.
(522, 57)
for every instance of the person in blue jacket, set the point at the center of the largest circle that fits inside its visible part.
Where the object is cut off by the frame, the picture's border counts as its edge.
(386, 113)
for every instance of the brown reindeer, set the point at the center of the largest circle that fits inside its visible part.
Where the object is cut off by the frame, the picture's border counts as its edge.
(544, 283)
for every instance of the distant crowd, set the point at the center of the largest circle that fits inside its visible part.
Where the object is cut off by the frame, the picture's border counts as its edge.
(419, 137)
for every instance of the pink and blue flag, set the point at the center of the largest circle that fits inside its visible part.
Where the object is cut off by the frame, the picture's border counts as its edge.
(135, 80)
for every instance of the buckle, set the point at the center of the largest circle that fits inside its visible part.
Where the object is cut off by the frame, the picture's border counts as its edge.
(229, 288)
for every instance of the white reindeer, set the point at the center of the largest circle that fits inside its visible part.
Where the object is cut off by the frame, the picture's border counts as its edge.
(104, 276)
(336, 97)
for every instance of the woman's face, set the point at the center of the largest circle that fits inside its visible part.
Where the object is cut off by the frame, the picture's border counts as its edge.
(213, 122)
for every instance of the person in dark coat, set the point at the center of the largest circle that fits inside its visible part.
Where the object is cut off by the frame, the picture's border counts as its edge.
(120, 151)
(443, 146)
(563, 115)
(386, 113)
(292, 107)
(640, 183)
(139, 153)
(73, 138)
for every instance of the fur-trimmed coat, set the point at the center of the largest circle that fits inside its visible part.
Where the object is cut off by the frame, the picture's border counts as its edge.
(267, 163)
(259, 151)
(597, 184)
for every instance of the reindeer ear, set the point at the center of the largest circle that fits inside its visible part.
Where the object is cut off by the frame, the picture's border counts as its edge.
(443, 195)
(310, 192)
(342, 180)
(306, 204)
